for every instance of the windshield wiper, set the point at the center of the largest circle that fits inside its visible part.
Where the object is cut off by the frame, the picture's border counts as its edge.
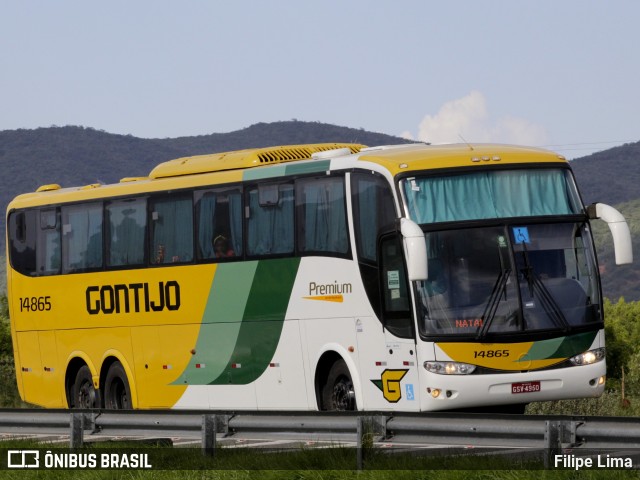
(494, 301)
(550, 306)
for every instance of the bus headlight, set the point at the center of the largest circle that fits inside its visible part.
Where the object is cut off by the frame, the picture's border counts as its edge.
(449, 368)
(588, 357)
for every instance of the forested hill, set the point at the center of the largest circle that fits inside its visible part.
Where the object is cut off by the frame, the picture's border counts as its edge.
(72, 156)
(611, 176)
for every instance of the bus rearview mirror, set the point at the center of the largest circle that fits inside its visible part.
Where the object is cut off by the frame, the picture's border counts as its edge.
(415, 249)
(619, 230)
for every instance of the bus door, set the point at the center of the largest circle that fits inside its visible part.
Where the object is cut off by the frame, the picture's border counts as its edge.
(396, 372)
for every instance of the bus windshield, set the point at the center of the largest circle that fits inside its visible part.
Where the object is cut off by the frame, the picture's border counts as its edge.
(509, 279)
(491, 194)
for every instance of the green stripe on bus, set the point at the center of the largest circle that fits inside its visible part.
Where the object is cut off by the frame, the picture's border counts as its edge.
(313, 167)
(262, 323)
(221, 322)
(575, 344)
(563, 347)
(278, 171)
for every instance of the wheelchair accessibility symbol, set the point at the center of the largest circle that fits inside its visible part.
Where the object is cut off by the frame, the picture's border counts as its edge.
(409, 391)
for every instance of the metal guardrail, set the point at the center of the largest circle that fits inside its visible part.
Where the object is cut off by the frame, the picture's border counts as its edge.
(552, 433)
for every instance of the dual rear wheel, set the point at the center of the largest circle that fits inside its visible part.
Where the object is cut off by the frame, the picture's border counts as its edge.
(116, 390)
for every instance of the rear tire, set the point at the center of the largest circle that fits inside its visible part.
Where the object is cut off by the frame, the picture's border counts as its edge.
(83, 393)
(117, 394)
(338, 393)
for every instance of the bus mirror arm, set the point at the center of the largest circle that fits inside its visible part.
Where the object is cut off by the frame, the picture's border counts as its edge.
(619, 230)
(415, 249)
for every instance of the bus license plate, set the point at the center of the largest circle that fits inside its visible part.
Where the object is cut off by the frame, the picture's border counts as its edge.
(525, 387)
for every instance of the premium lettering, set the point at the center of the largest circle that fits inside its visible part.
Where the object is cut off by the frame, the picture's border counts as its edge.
(133, 297)
(334, 288)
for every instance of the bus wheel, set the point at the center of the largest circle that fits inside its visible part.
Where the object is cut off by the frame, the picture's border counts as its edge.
(338, 392)
(117, 394)
(84, 394)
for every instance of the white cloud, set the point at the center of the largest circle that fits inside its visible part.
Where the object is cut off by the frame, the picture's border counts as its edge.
(469, 117)
(407, 135)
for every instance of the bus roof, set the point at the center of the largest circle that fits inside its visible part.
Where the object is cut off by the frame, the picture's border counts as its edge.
(400, 158)
(228, 167)
(245, 159)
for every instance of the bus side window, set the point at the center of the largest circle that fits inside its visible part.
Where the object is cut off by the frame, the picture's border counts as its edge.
(219, 218)
(322, 215)
(171, 230)
(126, 220)
(395, 293)
(373, 211)
(49, 248)
(22, 241)
(82, 237)
(270, 224)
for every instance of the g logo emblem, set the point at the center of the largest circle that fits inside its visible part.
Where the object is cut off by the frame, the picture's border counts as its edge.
(389, 384)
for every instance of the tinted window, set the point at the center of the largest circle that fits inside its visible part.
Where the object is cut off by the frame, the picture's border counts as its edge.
(374, 211)
(323, 223)
(172, 230)
(48, 251)
(82, 237)
(22, 241)
(127, 222)
(270, 227)
(219, 221)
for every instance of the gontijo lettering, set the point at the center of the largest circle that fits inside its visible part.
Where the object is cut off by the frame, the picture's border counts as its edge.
(136, 297)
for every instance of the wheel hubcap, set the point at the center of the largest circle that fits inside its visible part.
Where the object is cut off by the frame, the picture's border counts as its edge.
(343, 395)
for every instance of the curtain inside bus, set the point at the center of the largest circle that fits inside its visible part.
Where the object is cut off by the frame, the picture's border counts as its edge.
(172, 228)
(270, 229)
(82, 236)
(127, 222)
(325, 223)
(213, 220)
(489, 194)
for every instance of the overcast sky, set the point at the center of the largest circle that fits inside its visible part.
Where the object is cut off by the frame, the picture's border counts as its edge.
(558, 73)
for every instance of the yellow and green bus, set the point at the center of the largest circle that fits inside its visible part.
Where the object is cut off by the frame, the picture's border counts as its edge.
(313, 277)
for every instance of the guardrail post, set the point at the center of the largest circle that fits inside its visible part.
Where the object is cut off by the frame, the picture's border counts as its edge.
(380, 426)
(209, 428)
(77, 430)
(359, 443)
(366, 428)
(552, 441)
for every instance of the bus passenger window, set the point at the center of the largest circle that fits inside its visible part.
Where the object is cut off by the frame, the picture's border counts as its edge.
(127, 222)
(48, 255)
(171, 230)
(22, 241)
(322, 225)
(82, 237)
(219, 222)
(270, 225)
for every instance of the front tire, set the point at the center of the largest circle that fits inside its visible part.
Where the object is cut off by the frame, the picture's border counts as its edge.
(117, 394)
(338, 393)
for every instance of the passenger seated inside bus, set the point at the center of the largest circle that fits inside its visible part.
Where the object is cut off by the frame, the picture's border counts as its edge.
(221, 247)
(161, 253)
